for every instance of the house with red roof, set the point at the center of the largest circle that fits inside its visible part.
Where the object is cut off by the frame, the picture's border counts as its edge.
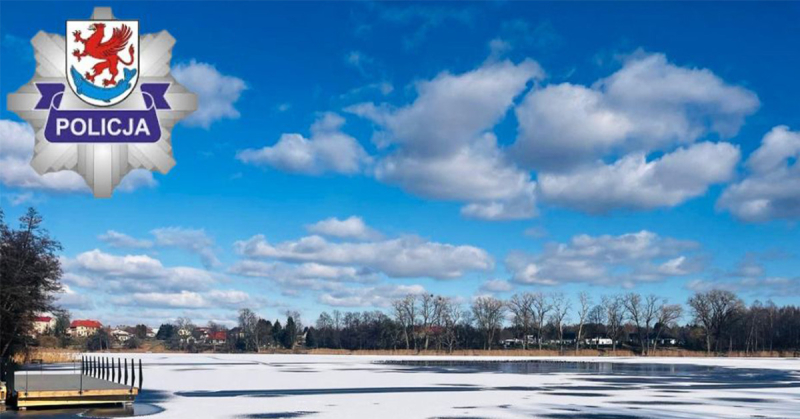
(218, 338)
(43, 325)
(84, 328)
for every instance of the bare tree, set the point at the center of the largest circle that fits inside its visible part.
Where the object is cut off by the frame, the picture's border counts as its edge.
(488, 312)
(427, 315)
(615, 315)
(541, 306)
(248, 323)
(702, 312)
(715, 310)
(668, 315)
(585, 301)
(405, 312)
(521, 306)
(451, 316)
(561, 307)
(772, 312)
(641, 313)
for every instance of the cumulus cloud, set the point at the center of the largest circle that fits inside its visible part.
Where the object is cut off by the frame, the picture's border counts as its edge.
(769, 287)
(632, 182)
(304, 274)
(606, 260)
(192, 300)
(137, 179)
(496, 285)
(404, 257)
(121, 240)
(327, 150)
(142, 273)
(378, 296)
(771, 188)
(16, 143)
(70, 299)
(350, 228)
(443, 144)
(191, 240)
(217, 93)
(649, 104)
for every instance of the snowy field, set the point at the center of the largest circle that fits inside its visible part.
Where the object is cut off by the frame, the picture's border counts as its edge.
(311, 386)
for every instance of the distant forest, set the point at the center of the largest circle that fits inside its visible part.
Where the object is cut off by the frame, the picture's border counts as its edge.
(718, 322)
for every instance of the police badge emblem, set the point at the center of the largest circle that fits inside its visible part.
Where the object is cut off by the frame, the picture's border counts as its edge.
(119, 109)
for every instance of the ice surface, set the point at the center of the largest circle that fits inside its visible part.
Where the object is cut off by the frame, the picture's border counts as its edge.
(315, 386)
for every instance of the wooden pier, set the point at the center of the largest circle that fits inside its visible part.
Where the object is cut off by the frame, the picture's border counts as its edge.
(99, 381)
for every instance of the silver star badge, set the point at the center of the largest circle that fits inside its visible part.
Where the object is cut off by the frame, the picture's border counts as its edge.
(102, 155)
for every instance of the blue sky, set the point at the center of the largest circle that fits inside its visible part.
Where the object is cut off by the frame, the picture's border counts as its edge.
(345, 153)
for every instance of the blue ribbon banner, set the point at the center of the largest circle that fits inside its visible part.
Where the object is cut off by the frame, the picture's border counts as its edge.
(105, 94)
(102, 125)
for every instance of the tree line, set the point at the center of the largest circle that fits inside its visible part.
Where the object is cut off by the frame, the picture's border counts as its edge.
(716, 321)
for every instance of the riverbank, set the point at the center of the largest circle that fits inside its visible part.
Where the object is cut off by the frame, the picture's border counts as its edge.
(53, 355)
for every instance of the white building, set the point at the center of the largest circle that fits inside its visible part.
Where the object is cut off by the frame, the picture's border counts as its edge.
(43, 325)
(121, 335)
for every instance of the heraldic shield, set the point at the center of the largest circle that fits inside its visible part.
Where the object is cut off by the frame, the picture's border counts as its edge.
(102, 59)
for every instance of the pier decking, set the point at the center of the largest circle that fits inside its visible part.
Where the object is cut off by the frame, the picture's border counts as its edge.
(100, 380)
(69, 389)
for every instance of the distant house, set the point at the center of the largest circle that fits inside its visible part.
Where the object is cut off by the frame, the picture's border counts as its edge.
(84, 328)
(186, 335)
(599, 342)
(43, 325)
(121, 335)
(218, 338)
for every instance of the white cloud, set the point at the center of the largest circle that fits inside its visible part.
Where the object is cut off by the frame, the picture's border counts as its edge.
(70, 299)
(303, 274)
(183, 299)
(404, 257)
(121, 240)
(192, 300)
(443, 145)
(496, 285)
(769, 287)
(142, 273)
(16, 144)
(606, 260)
(537, 232)
(359, 61)
(192, 240)
(632, 182)
(649, 104)
(137, 179)
(771, 189)
(350, 228)
(453, 110)
(379, 296)
(20, 198)
(216, 93)
(328, 150)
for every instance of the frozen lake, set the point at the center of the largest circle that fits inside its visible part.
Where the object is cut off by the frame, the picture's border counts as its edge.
(311, 386)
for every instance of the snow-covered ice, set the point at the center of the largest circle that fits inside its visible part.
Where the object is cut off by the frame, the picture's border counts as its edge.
(314, 386)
